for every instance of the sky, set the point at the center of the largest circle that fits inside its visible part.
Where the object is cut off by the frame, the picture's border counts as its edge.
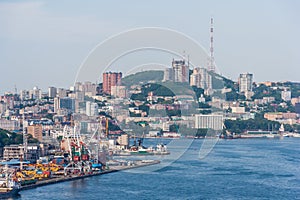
(43, 43)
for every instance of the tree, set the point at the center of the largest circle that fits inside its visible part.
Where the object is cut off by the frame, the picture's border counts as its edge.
(204, 105)
(31, 139)
(144, 108)
(231, 96)
(139, 97)
(205, 111)
(49, 116)
(239, 126)
(7, 138)
(174, 128)
(201, 132)
(59, 138)
(198, 91)
(174, 112)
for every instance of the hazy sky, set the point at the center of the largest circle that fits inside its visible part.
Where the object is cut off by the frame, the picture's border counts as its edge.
(43, 43)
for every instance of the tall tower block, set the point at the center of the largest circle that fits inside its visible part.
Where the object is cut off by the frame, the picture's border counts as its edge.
(211, 65)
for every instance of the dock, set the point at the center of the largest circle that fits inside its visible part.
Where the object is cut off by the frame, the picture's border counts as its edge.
(76, 177)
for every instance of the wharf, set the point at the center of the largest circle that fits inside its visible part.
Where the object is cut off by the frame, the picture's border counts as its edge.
(71, 178)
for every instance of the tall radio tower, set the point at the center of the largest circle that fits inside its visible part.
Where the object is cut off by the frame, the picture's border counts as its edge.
(211, 65)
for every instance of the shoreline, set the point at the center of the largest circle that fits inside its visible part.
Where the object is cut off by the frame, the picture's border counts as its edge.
(50, 181)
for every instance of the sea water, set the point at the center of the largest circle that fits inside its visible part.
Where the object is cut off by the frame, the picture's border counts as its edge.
(234, 169)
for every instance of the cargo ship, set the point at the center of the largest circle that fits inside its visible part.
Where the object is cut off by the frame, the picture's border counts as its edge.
(8, 186)
(7, 192)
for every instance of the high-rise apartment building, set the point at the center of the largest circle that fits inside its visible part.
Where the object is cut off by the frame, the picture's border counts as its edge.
(118, 91)
(24, 95)
(168, 74)
(111, 79)
(201, 78)
(178, 73)
(88, 88)
(52, 91)
(35, 93)
(61, 92)
(36, 130)
(245, 82)
(195, 80)
(65, 103)
(91, 108)
(245, 85)
(286, 95)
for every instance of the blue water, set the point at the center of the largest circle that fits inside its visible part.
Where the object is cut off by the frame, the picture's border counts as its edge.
(235, 169)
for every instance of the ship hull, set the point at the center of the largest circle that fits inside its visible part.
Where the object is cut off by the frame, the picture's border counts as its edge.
(4, 193)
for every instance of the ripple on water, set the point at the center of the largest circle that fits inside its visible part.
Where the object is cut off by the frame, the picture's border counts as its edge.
(235, 169)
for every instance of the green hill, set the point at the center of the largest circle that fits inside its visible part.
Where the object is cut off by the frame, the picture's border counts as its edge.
(220, 82)
(143, 77)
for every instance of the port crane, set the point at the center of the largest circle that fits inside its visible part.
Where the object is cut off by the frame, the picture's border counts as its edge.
(79, 153)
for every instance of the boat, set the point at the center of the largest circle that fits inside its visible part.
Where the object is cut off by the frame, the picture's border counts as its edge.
(160, 149)
(8, 186)
(138, 149)
(6, 192)
(296, 135)
(229, 136)
(269, 136)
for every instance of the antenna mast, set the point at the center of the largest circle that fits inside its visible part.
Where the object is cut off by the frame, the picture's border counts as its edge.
(211, 66)
(16, 90)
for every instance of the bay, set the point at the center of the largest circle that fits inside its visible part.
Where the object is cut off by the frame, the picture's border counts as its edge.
(234, 169)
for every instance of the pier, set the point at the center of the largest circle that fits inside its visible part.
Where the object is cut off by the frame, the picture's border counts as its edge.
(76, 177)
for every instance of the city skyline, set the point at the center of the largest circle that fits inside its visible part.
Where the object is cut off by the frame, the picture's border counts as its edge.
(179, 99)
(44, 43)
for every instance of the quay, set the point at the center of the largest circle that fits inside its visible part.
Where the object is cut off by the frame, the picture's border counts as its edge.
(76, 177)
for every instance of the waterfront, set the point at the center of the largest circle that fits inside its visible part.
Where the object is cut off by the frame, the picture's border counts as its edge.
(235, 169)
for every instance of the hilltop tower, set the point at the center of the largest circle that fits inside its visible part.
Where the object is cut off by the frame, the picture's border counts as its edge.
(211, 64)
